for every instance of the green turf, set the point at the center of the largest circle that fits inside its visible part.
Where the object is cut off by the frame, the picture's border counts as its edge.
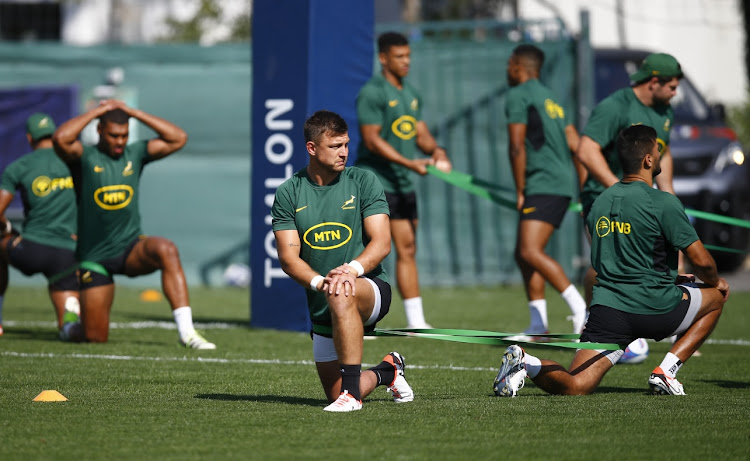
(141, 396)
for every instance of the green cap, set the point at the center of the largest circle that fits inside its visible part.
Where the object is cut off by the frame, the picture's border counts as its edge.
(40, 125)
(657, 65)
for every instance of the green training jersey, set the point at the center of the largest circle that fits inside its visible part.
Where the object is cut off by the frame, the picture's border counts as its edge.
(616, 112)
(328, 220)
(549, 163)
(397, 113)
(637, 232)
(107, 189)
(49, 202)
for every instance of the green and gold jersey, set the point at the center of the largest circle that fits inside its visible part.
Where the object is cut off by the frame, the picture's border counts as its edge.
(107, 189)
(329, 221)
(49, 201)
(615, 113)
(549, 163)
(397, 113)
(637, 232)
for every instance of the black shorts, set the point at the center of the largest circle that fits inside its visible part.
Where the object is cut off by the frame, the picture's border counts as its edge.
(98, 273)
(547, 208)
(57, 264)
(608, 325)
(402, 206)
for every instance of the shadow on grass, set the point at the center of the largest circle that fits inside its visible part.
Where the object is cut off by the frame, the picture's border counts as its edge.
(727, 384)
(264, 399)
(33, 335)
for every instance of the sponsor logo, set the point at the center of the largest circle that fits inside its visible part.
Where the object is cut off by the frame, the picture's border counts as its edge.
(553, 109)
(98, 169)
(113, 197)
(605, 227)
(301, 208)
(128, 169)
(393, 103)
(327, 236)
(661, 144)
(44, 185)
(528, 210)
(405, 127)
(346, 204)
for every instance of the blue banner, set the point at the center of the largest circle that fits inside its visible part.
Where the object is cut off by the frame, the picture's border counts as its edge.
(304, 59)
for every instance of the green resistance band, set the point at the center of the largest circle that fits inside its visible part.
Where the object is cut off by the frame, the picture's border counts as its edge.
(487, 190)
(493, 338)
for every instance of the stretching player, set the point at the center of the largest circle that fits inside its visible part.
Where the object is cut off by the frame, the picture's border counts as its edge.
(389, 110)
(110, 239)
(49, 229)
(542, 147)
(637, 233)
(331, 229)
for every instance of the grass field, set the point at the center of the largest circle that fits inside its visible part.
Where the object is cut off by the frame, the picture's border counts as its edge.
(141, 396)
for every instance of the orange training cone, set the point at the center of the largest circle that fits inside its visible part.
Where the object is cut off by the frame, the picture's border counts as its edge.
(50, 396)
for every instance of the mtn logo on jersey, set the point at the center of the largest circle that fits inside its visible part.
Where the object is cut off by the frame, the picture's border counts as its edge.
(605, 227)
(327, 236)
(43, 185)
(113, 197)
(405, 127)
(348, 204)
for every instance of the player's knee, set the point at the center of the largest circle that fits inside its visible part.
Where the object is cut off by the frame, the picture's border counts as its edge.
(97, 335)
(167, 250)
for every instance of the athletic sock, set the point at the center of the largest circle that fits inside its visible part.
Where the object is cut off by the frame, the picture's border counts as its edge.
(538, 312)
(533, 365)
(183, 317)
(385, 371)
(670, 365)
(414, 312)
(574, 299)
(350, 375)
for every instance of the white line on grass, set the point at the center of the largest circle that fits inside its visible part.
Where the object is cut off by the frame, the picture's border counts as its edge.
(164, 325)
(215, 360)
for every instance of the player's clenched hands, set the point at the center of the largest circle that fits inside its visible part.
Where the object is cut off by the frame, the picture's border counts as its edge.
(420, 165)
(723, 287)
(341, 278)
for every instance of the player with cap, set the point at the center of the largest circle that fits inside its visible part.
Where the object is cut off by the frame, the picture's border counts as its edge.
(646, 102)
(47, 244)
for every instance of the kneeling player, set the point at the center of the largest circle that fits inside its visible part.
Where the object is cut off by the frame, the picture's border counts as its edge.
(637, 233)
(344, 298)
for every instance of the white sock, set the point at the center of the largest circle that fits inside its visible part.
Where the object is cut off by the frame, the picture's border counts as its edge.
(533, 365)
(575, 300)
(183, 317)
(414, 312)
(670, 365)
(538, 312)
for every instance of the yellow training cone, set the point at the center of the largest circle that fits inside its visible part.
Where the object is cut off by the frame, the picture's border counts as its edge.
(50, 396)
(150, 296)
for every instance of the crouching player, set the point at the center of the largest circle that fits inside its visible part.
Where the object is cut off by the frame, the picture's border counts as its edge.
(637, 232)
(347, 289)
